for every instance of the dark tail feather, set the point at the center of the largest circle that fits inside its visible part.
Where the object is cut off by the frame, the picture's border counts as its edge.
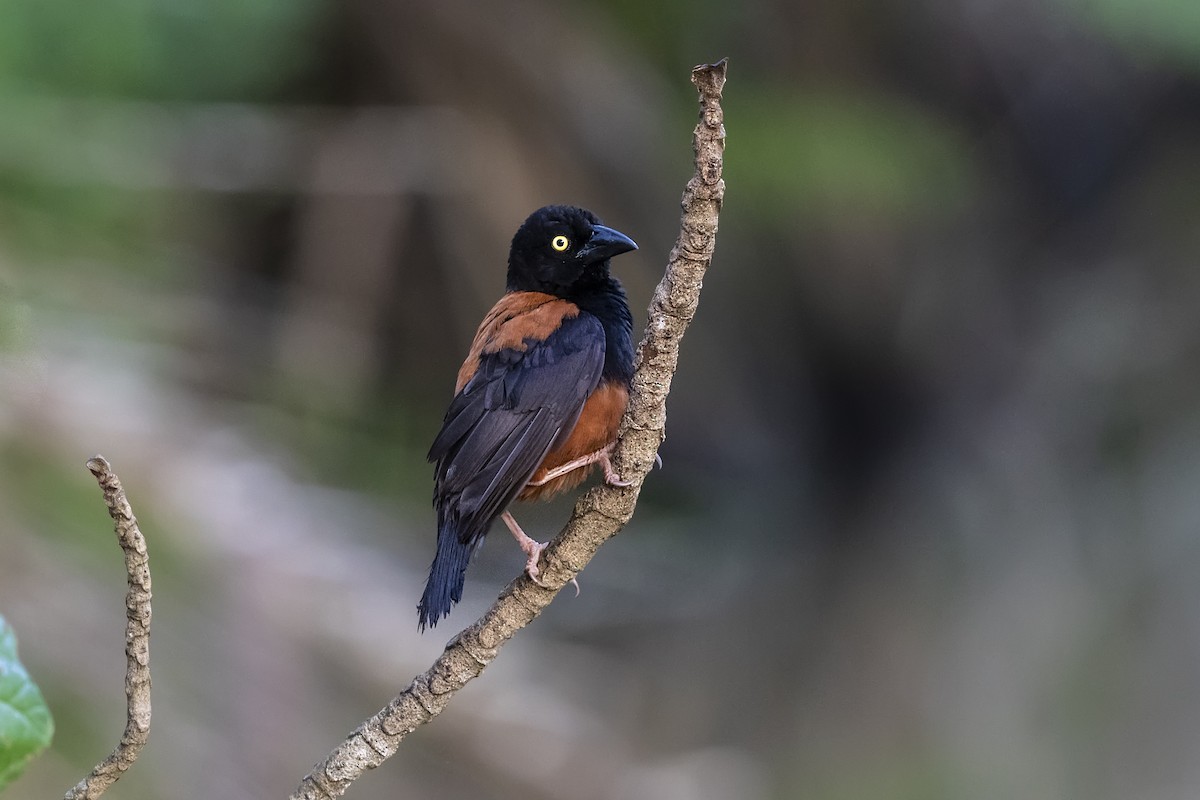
(446, 575)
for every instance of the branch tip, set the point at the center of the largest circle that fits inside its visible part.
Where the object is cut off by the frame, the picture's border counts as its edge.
(710, 78)
(137, 639)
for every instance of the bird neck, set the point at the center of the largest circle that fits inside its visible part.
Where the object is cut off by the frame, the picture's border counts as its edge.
(606, 301)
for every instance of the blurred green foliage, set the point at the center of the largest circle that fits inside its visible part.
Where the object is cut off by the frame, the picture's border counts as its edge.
(912, 775)
(127, 50)
(47, 223)
(63, 504)
(676, 33)
(62, 501)
(822, 153)
(14, 322)
(1158, 29)
(153, 49)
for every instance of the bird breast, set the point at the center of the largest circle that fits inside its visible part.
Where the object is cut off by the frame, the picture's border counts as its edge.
(596, 429)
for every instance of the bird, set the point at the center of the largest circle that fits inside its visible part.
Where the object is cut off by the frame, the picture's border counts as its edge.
(539, 398)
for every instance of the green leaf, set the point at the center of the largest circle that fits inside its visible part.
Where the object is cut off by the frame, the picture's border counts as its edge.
(25, 723)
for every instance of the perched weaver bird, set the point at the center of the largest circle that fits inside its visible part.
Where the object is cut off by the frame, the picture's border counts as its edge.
(539, 398)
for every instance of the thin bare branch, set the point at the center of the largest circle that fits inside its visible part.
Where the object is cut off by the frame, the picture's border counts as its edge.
(137, 639)
(602, 512)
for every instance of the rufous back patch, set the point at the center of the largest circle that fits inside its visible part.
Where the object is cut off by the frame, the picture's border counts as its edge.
(517, 316)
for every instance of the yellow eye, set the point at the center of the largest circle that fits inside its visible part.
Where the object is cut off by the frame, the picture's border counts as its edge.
(560, 243)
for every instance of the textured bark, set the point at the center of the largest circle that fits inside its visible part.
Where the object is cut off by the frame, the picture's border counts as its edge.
(137, 639)
(602, 512)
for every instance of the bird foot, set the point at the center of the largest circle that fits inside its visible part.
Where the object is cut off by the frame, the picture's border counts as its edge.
(531, 564)
(532, 549)
(533, 552)
(611, 476)
(531, 568)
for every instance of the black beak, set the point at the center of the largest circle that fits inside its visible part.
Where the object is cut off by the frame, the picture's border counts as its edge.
(605, 243)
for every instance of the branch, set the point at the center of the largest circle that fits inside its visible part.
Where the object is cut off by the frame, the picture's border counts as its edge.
(602, 512)
(137, 640)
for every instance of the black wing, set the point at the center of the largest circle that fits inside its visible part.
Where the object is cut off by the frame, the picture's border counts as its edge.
(507, 417)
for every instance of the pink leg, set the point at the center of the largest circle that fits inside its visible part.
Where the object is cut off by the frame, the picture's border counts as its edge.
(533, 551)
(603, 457)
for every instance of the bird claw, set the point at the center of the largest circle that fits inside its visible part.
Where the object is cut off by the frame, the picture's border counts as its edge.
(531, 549)
(531, 569)
(613, 478)
(533, 553)
(531, 564)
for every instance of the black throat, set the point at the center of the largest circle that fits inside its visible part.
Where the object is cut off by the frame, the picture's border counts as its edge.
(605, 300)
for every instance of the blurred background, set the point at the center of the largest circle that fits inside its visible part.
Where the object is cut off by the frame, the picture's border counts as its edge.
(927, 526)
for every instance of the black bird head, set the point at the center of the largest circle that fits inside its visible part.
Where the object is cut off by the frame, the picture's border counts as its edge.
(562, 250)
